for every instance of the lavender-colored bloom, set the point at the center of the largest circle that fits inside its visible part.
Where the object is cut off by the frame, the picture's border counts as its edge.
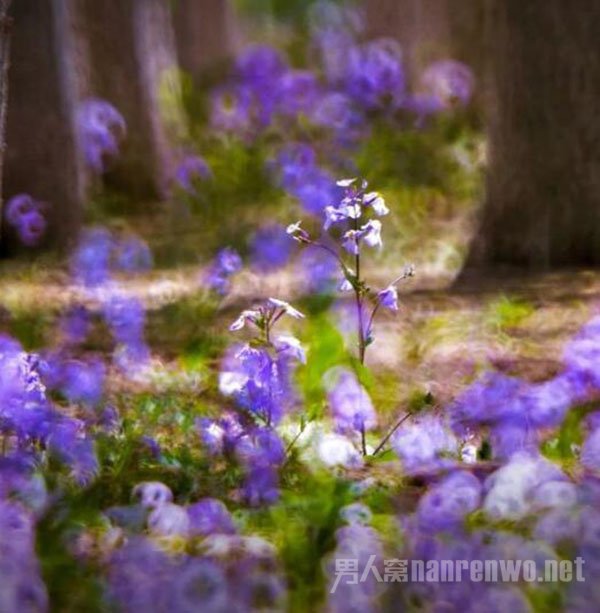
(319, 269)
(510, 488)
(191, 170)
(449, 81)
(315, 191)
(231, 110)
(260, 65)
(220, 436)
(297, 92)
(336, 111)
(424, 443)
(270, 248)
(226, 263)
(261, 486)
(75, 325)
(337, 450)
(90, 262)
(293, 162)
(445, 506)
(133, 255)
(590, 452)
(100, 127)
(350, 403)
(290, 347)
(375, 75)
(513, 436)
(168, 519)
(126, 318)
(31, 228)
(356, 513)
(25, 215)
(138, 576)
(21, 585)
(209, 516)
(152, 494)
(83, 381)
(17, 207)
(492, 398)
(200, 585)
(260, 447)
(388, 298)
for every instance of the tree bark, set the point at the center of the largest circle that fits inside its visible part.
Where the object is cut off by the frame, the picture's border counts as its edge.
(429, 30)
(5, 28)
(206, 34)
(133, 62)
(42, 157)
(542, 206)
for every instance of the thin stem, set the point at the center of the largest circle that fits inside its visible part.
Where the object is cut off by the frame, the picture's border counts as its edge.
(363, 439)
(357, 294)
(386, 438)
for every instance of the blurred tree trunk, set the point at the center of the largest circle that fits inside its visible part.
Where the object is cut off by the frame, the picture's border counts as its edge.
(430, 30)
(206, 34)
(5, 27)
(41, 156)
(131, 49)
(542, 206)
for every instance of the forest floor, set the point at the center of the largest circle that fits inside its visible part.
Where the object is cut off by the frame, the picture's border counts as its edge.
(441, 338)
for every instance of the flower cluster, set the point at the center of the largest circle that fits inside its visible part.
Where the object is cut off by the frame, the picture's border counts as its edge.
(101, 128)
(225, 264)
(26, 216)
(220, 570)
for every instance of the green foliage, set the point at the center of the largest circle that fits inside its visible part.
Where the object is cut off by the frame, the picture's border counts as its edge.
(506, 312)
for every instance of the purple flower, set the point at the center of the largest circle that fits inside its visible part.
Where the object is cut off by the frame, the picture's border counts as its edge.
(75, 325)
(83, 381)
(424, 443)
(270, 248)
(297, 92)
(226, 263)
(25, 215)
(152, 494)
(126, 318)
(448, 81)
(375, 76)
(260, 65)
(491, 399)
(231, 110)
(445, 506)
(101, 127)
(90, 262)
(319, 269)
(336, 111)
(209, 516)
(350, 403)
(261, 486)
(294, 162)
(133, 255)
(388, 298)
(315, 191)
(190, 171)
(590, 452)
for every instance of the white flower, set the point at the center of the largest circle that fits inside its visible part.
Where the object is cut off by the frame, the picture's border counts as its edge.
(377, 203)
(288, 308)
(371, 233)
(337, 450)
(293, 228)
(169, 520)
(345, 182)
(152, 494)
(290, 346)
(244, 317)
